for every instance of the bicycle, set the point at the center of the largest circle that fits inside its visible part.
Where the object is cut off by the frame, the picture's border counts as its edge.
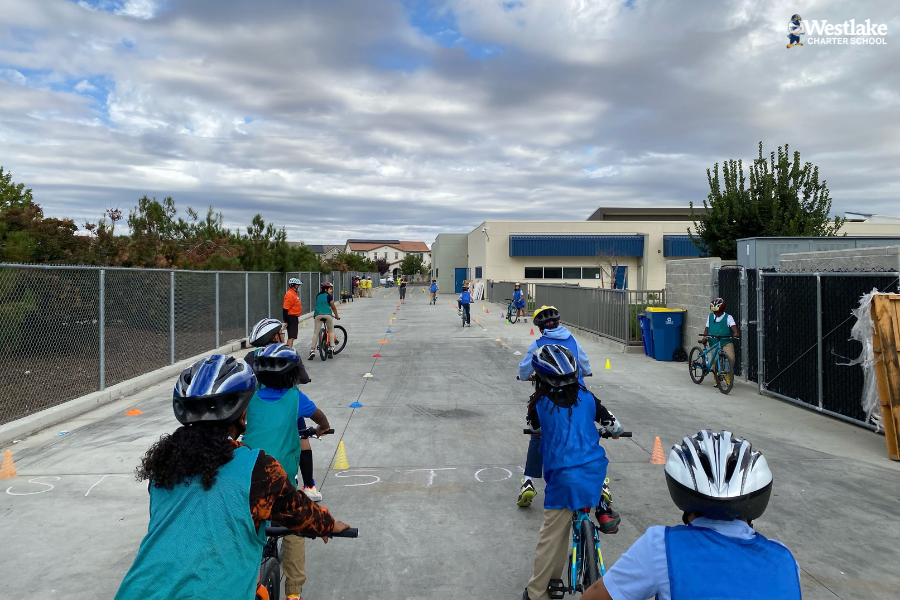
(512, 313)
(701, 362)
(273, 554)
(462, 314)
(433, 298)
(327, 350)
(587, 559)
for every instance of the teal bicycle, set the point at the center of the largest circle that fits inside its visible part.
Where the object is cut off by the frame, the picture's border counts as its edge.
(712, 360)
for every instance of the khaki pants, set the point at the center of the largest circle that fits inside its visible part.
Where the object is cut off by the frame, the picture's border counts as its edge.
(552, 553)
(329, 323)
(294, 564)
(728, 349)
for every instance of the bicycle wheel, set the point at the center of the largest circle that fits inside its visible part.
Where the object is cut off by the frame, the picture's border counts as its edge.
(323, 343)
(589, 559)
(725, 376)
(513, 314)
(695, 365)
(270, 578)
(340, 338)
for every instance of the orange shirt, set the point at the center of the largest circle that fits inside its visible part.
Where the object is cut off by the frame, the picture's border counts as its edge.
(292, 303)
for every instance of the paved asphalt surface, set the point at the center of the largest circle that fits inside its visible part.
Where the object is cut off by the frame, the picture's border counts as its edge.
(436, 455)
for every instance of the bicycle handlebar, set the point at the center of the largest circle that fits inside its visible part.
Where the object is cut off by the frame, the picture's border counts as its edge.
(350, 532)
(605, 434)
(311, 432)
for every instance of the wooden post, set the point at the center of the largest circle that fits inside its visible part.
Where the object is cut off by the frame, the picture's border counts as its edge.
(886, 345)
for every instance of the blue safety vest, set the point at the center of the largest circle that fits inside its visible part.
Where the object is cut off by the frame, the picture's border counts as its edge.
(574, 461)
(569, 343)
(705, 565)
(433, 288)
(200, 543)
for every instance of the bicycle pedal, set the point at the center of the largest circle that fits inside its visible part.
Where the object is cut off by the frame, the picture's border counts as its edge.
(556, 589)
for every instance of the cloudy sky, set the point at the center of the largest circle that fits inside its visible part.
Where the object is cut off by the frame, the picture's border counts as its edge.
(407, 118)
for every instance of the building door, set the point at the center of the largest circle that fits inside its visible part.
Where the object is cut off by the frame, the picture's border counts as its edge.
(621, 274)
(460, 276)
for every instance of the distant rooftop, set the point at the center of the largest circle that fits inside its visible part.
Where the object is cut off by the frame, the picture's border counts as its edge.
(363, 241)
(858, 217)
(645, 213)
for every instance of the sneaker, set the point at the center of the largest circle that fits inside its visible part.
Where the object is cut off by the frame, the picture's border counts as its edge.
(330, 352)
(312, 493)
(526, 493)
(607, 518)
(312, 354)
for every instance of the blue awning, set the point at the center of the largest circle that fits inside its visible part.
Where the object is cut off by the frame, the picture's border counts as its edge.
(576, 245)
(680, 245)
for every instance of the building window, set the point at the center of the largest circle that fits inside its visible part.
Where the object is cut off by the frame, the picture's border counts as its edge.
(436, 273)
(534, 272)
(396, 255)
(571, 272)
(552, 272)
(477, 272)
(590, 273)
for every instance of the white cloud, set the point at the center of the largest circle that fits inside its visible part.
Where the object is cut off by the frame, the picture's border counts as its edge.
(84, 86)
(139, 9)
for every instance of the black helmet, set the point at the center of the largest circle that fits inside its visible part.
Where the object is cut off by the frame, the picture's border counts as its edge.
(546, 317)
(213, 390)
(718, 475)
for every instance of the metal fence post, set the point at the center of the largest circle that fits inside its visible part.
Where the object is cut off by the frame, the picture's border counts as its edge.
(217, 309)
(102, 329)
(760, 332)
(745, 344)
(819, 335)
(268, 294)
(171, 317)
(247, 304)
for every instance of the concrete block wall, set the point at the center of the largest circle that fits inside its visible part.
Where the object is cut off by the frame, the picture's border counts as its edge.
(849, 260)
(690, 285)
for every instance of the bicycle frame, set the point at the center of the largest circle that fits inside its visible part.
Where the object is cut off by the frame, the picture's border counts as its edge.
(711, 355)
(578, 560)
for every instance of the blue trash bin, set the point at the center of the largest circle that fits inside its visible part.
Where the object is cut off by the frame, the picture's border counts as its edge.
(665, 324)
(646, 334)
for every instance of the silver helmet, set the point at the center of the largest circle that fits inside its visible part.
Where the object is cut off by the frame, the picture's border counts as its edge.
(718, 475)
(294, 281)
(263, 332)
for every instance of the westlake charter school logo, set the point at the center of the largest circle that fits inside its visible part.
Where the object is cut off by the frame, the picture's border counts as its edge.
(849, 32)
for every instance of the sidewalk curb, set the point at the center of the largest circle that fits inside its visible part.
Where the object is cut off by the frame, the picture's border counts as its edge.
(26, 426)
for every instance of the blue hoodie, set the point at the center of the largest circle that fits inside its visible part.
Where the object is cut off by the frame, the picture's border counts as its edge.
(559, 334)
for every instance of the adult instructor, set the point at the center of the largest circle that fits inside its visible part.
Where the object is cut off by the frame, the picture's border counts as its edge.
(291, 309)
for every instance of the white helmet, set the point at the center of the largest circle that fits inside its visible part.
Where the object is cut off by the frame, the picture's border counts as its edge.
(263, 332)
(718, 475)
(294, 281)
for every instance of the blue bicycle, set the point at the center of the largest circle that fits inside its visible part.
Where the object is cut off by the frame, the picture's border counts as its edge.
(712, 360)
(587, 558)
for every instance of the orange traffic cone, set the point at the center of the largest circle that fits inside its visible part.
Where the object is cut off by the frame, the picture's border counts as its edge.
(531, 332)
(486, 311)
(657, 458)
(8, 469)
(134, 412)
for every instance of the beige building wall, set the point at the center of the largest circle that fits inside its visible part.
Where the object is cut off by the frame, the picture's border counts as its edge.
(491, 250)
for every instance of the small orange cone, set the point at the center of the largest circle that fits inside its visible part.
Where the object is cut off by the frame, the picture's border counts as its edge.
(486, 311)
(133, 412)
(531, 332)
(657, 458)
(8, 469)
(384, 341)
(376, 356)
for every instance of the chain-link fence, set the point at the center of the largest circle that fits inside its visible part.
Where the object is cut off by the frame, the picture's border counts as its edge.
(69, 331)
(805, 338)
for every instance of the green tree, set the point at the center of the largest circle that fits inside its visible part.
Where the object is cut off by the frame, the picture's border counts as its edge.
(784, 198)
(12, 194)
(413, 265)
(347, 261)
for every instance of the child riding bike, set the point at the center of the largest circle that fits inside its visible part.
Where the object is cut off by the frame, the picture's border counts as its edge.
(720, 323)
(324, 309)
(209, 492)
(721, 484)
(274, 416)
(268, 331)
(574, 461)
(465, 301)
(433, 289)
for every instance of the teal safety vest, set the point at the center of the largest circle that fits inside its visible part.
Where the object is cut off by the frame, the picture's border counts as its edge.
(200, 544)
(322, 305)
(719, 328)
(272, 428)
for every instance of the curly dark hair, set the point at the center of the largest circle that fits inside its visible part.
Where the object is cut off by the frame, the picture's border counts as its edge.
(279, 381)
(561, 397)
(190, 451)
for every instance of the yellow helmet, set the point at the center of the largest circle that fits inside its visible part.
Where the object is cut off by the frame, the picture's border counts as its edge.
(545, 315)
